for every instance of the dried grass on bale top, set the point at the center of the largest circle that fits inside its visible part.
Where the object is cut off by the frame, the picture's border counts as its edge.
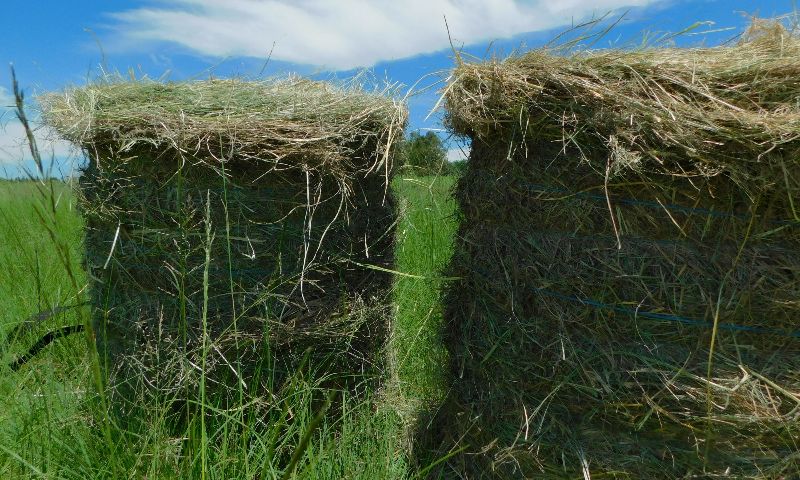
(247, 203)
(689, 112)
(281, 123)
(628, 303)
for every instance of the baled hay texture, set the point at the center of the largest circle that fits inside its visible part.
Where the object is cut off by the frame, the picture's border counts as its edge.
(689, 112)
(228, 219)
(628, 303)
(287, 122)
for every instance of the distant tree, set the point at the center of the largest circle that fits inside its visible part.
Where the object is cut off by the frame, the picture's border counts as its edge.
(424, 154)
(458, 167)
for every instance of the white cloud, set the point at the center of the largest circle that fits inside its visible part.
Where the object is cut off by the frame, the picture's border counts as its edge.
(343, 34)
(13, 141)
(457, 154)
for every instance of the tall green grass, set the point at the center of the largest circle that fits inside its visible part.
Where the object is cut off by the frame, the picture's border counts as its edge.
(32, 274)
(34, 278)
(52, 419)
(425, 236)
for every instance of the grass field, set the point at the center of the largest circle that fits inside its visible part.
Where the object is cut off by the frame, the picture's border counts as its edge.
(53, 420)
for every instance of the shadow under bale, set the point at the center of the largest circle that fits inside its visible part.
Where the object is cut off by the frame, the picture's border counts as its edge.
(230, 226)
(629, 269)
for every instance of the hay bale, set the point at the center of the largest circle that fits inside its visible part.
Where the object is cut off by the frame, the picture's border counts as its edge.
(221, 213)
(628, 254)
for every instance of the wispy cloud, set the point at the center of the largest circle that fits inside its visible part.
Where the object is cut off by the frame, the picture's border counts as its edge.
(13, 142)
(457, 154)
(345, 34)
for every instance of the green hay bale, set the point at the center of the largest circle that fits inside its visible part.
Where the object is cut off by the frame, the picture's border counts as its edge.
(228, 223)
(628, 255)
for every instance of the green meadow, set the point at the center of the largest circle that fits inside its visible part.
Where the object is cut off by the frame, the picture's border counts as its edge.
(54, 420)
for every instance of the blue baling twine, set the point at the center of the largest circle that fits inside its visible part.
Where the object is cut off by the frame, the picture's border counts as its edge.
(535, 187)
(637, 203)
(668, 317)
(664, 317)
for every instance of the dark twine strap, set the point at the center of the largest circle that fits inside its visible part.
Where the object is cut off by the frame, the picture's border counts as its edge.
(46, 340)
(541, 188)
(668, 317)
(49, 337)
(663, 317)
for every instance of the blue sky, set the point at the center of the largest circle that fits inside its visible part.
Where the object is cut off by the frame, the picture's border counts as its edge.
(54, 44)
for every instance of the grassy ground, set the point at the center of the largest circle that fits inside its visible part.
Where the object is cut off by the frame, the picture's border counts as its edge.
(423, 248)
(52, 419)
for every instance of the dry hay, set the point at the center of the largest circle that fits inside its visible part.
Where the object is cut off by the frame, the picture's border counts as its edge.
(629, 302)
(222, 213)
